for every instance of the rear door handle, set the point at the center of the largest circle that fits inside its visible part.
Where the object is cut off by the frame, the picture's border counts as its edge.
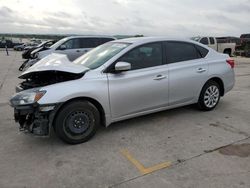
(201, 70)
(160, 77)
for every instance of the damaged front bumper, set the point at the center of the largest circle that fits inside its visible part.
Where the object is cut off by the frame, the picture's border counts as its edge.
(36, 119)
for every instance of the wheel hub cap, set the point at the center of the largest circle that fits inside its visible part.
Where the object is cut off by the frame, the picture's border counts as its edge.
(78, 122)
(211, 96)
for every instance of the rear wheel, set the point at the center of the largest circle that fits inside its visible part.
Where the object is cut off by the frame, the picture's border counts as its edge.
(210, 96)
(77, 122)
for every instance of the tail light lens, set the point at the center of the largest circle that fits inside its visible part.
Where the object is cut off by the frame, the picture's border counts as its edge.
(231, 63)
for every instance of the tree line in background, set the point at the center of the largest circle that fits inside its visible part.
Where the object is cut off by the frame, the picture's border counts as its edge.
(50, 36)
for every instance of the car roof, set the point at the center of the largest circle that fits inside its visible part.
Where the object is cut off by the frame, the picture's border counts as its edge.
(141, 40)
(89, 36)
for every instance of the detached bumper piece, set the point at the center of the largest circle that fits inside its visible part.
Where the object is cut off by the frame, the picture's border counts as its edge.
(35, 119)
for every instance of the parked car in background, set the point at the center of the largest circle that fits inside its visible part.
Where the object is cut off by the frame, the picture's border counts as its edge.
(41, 47)
(20, 47)
(245, 38)
(8, 43)
(116, 81)
(226, 48)
(73, 47)
(25, 46)
(229, 39)
(29, 53)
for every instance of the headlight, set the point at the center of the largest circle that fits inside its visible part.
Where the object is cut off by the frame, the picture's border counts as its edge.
(27, 97)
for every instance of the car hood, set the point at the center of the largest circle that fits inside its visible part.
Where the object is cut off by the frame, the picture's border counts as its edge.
(55, 62)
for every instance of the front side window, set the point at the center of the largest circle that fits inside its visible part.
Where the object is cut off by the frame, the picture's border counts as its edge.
(148, 55)
(100, 55)
(72, 44)
(204, 40)
(181, 51)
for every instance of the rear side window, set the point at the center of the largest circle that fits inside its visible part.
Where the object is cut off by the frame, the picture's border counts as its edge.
(203, 51)
(104, 40)
(211, 39)
(181, 51)
(204, 40)
(89, 42)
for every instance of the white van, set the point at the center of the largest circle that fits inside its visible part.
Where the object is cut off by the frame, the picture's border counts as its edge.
(73, 46)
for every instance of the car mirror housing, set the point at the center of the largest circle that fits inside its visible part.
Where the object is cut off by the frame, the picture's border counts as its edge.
(122, 66)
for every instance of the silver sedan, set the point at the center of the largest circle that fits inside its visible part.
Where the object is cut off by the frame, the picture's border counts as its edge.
(119, 80)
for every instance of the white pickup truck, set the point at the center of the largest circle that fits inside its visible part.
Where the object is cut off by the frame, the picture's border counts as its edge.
(226, 48)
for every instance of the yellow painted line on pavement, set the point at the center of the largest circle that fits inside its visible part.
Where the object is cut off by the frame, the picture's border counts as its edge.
(143, 170)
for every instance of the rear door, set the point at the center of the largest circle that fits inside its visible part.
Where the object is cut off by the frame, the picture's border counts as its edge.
(187, 71)
(144, 87)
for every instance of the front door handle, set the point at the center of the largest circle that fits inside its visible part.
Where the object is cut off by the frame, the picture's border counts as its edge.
(78, 50)
(160, 77)
(201, 70)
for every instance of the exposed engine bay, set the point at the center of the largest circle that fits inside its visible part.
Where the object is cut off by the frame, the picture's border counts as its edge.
(44, 78)
(34, 118)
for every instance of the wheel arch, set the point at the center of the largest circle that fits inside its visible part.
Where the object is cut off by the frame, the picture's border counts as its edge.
(91, 100)
(218, 81)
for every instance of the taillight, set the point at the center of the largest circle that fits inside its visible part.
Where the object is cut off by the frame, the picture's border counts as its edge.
(231, 62)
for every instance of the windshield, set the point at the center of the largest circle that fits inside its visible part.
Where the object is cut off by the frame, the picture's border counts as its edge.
(195, 39)
(41, 44)
(98, 56)
(58, 43)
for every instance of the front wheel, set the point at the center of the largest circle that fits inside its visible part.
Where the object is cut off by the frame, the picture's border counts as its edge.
(210, 96)
(77, 122)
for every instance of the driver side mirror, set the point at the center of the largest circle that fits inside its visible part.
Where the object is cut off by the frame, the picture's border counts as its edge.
(62, 47)
(122, 66)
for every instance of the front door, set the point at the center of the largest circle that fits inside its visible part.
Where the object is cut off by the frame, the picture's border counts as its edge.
(144, 87)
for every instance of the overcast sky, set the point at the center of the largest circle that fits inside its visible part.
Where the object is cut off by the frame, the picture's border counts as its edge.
(176, 18)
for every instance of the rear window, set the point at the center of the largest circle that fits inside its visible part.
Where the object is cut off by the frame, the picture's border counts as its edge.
(203, 51)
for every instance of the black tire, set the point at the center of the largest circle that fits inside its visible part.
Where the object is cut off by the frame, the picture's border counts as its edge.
(203, 102)
(77, 122)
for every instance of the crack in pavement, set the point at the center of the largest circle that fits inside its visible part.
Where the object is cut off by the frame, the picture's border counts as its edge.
(229, 128)
(180, 161)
